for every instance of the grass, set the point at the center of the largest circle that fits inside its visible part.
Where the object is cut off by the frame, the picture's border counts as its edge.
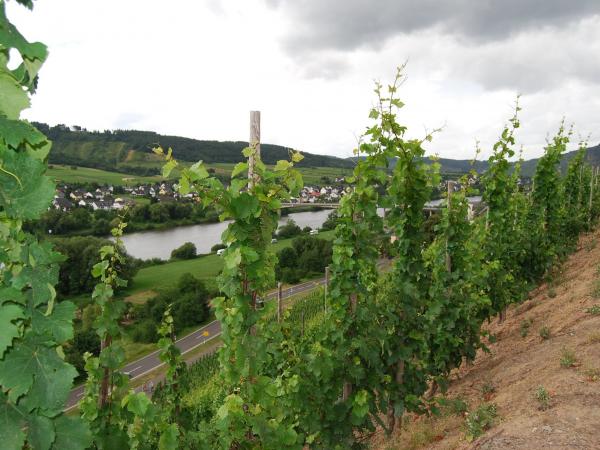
(592, 374)
(567, 358)
(204, 267)
(543, 398)
(594, 310)
(480, 420)
(310, 175)
(594, 338)
(488, 389)
(87, 175)
(525, 325)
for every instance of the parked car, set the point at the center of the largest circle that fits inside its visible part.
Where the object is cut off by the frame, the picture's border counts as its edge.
(220, 251)
(273, 241)
(313, 232)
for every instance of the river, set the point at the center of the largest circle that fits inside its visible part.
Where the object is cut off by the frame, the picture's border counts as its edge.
(159, 244)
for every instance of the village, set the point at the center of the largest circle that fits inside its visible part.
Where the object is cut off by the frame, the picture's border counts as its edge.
(110, 197)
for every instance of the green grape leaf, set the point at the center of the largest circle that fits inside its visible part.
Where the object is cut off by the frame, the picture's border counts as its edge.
(244, 206)
(9, 313)
(199, 171)
(11, 38)
(10, 294)
(13, 99)
(297, 157)
(24, 189)
(41, 279)
(17, 132)
(282, 165)
(168, 438)
(59, 324)
(11, 424)
(168, 168)
(40, 432)
(72, 433)
(137, 403)
(31, 367)
(239, 168)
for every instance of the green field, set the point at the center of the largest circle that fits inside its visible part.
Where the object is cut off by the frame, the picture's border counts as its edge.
(204, 267)
(87, 175)
(311, 175)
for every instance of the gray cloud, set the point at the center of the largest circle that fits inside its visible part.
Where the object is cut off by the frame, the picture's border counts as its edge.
(351, 24)
(525, 45)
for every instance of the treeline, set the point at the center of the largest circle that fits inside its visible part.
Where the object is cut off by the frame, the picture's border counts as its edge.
(110, 149)
(85, 221)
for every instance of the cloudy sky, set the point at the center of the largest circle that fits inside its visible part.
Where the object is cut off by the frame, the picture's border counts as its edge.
(195, 68)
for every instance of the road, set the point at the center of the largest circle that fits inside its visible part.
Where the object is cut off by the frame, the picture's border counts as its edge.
(150, 362)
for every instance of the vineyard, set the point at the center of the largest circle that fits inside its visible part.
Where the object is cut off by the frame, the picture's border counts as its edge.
(333, 369)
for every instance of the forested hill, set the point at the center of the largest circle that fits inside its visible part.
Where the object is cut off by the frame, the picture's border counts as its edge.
(527, 167)
(130, 151)
(124, 150)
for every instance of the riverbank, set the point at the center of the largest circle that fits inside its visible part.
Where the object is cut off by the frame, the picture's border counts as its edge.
(150, 279)
(159, 244)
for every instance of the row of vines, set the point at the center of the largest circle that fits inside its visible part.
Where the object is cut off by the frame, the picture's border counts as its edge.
(333, 369)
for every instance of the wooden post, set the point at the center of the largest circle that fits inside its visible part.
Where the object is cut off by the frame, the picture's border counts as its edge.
(326, 293)
(591, 197)
(254, 144)
(450, 191)
(347, 388)
(279, 302)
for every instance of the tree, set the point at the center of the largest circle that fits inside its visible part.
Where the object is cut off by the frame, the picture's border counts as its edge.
(290, 229)
(186, 251)
(82, 253)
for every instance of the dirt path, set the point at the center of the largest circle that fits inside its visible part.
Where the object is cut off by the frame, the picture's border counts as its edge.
(518, 365)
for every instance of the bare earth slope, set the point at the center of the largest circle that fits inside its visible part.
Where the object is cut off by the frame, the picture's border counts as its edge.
(518, 366)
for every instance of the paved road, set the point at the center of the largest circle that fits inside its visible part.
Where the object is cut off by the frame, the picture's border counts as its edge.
(208, 332)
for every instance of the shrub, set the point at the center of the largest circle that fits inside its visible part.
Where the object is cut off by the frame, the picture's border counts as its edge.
(290, 229)
(480, 420)
(542, 396)
(525, 325)
(545, 332)
(145, 332)
(331, 221)
(186, 251)
(567, 358)
(593, 310)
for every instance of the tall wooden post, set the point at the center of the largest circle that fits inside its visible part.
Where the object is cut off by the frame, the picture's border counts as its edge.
(450, 191)
(279, 302)
(326, 293)
(591, 197)
(254, 144)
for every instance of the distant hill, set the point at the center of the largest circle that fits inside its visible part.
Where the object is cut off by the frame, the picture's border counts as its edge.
(527, 167)
(130, 150)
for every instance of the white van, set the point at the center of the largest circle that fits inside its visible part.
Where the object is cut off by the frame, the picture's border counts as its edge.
(313, 232)
(220, 251)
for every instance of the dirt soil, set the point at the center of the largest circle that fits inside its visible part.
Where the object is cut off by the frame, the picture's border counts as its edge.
(518, 365)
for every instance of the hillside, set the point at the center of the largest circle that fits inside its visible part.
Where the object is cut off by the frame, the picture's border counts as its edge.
(567, 365)
(130, 150)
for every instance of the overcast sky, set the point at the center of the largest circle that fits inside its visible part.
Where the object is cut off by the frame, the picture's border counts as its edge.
(195, 68)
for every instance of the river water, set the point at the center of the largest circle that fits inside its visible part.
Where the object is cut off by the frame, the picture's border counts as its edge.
(159, 244)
